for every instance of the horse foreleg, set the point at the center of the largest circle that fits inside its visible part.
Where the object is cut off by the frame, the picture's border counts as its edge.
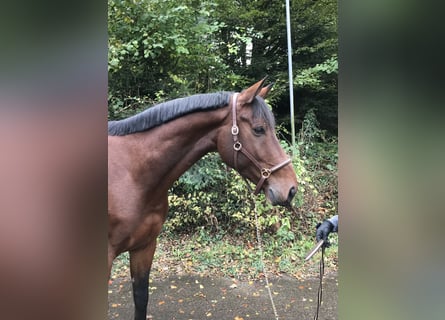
(140, 264)
(111, 257)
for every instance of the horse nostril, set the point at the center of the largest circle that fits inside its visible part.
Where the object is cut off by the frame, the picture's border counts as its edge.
(291, 195)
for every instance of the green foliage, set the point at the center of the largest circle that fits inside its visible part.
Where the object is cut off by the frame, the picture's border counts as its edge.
(163, 46)
(220, 254)
(163, 49)
(314, 144)
(208, 194)
(313, 77)
(319, 155)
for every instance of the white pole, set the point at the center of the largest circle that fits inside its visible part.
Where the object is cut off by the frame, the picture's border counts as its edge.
(291, 78)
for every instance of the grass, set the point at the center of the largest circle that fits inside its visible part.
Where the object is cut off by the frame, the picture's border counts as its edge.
(223, 255)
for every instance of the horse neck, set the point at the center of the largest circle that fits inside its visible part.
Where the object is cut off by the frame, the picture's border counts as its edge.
(170, 149)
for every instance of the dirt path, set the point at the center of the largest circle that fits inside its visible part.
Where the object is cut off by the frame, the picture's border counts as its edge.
(203, 297)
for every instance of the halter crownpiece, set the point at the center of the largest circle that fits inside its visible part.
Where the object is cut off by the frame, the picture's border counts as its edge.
(238, 147)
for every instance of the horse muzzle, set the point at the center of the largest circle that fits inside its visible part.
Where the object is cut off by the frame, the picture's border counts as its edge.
(278, 198)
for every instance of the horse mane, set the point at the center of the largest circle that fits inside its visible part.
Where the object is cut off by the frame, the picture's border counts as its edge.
(167, 111)
(164, 112)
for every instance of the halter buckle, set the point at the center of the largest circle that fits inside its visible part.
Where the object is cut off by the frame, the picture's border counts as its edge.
(235, 130)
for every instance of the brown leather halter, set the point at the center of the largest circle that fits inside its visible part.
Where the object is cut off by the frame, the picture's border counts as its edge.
(238, 147)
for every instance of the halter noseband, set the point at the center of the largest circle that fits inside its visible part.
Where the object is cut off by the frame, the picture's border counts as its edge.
(238, 147)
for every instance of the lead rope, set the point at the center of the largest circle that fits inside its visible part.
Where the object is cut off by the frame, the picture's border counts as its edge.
(263, 265)
(320, 285)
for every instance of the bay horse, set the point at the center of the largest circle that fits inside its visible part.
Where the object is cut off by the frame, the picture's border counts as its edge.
(149, 151)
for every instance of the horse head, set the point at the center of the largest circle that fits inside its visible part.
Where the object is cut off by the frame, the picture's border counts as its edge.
(248, 143)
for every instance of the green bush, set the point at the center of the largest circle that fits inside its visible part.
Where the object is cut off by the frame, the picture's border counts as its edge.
(319, 154)
(210, 195)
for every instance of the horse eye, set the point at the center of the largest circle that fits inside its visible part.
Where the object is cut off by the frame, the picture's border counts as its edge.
(259, 130)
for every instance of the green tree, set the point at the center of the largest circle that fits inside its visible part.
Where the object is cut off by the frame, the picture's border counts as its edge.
(162, 49)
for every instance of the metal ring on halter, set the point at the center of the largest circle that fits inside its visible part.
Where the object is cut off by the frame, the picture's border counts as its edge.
(235, 130)
(266, 173)
(237, 146)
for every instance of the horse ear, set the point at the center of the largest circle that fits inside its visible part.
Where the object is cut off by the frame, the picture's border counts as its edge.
(247, 95)
(264, 91)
